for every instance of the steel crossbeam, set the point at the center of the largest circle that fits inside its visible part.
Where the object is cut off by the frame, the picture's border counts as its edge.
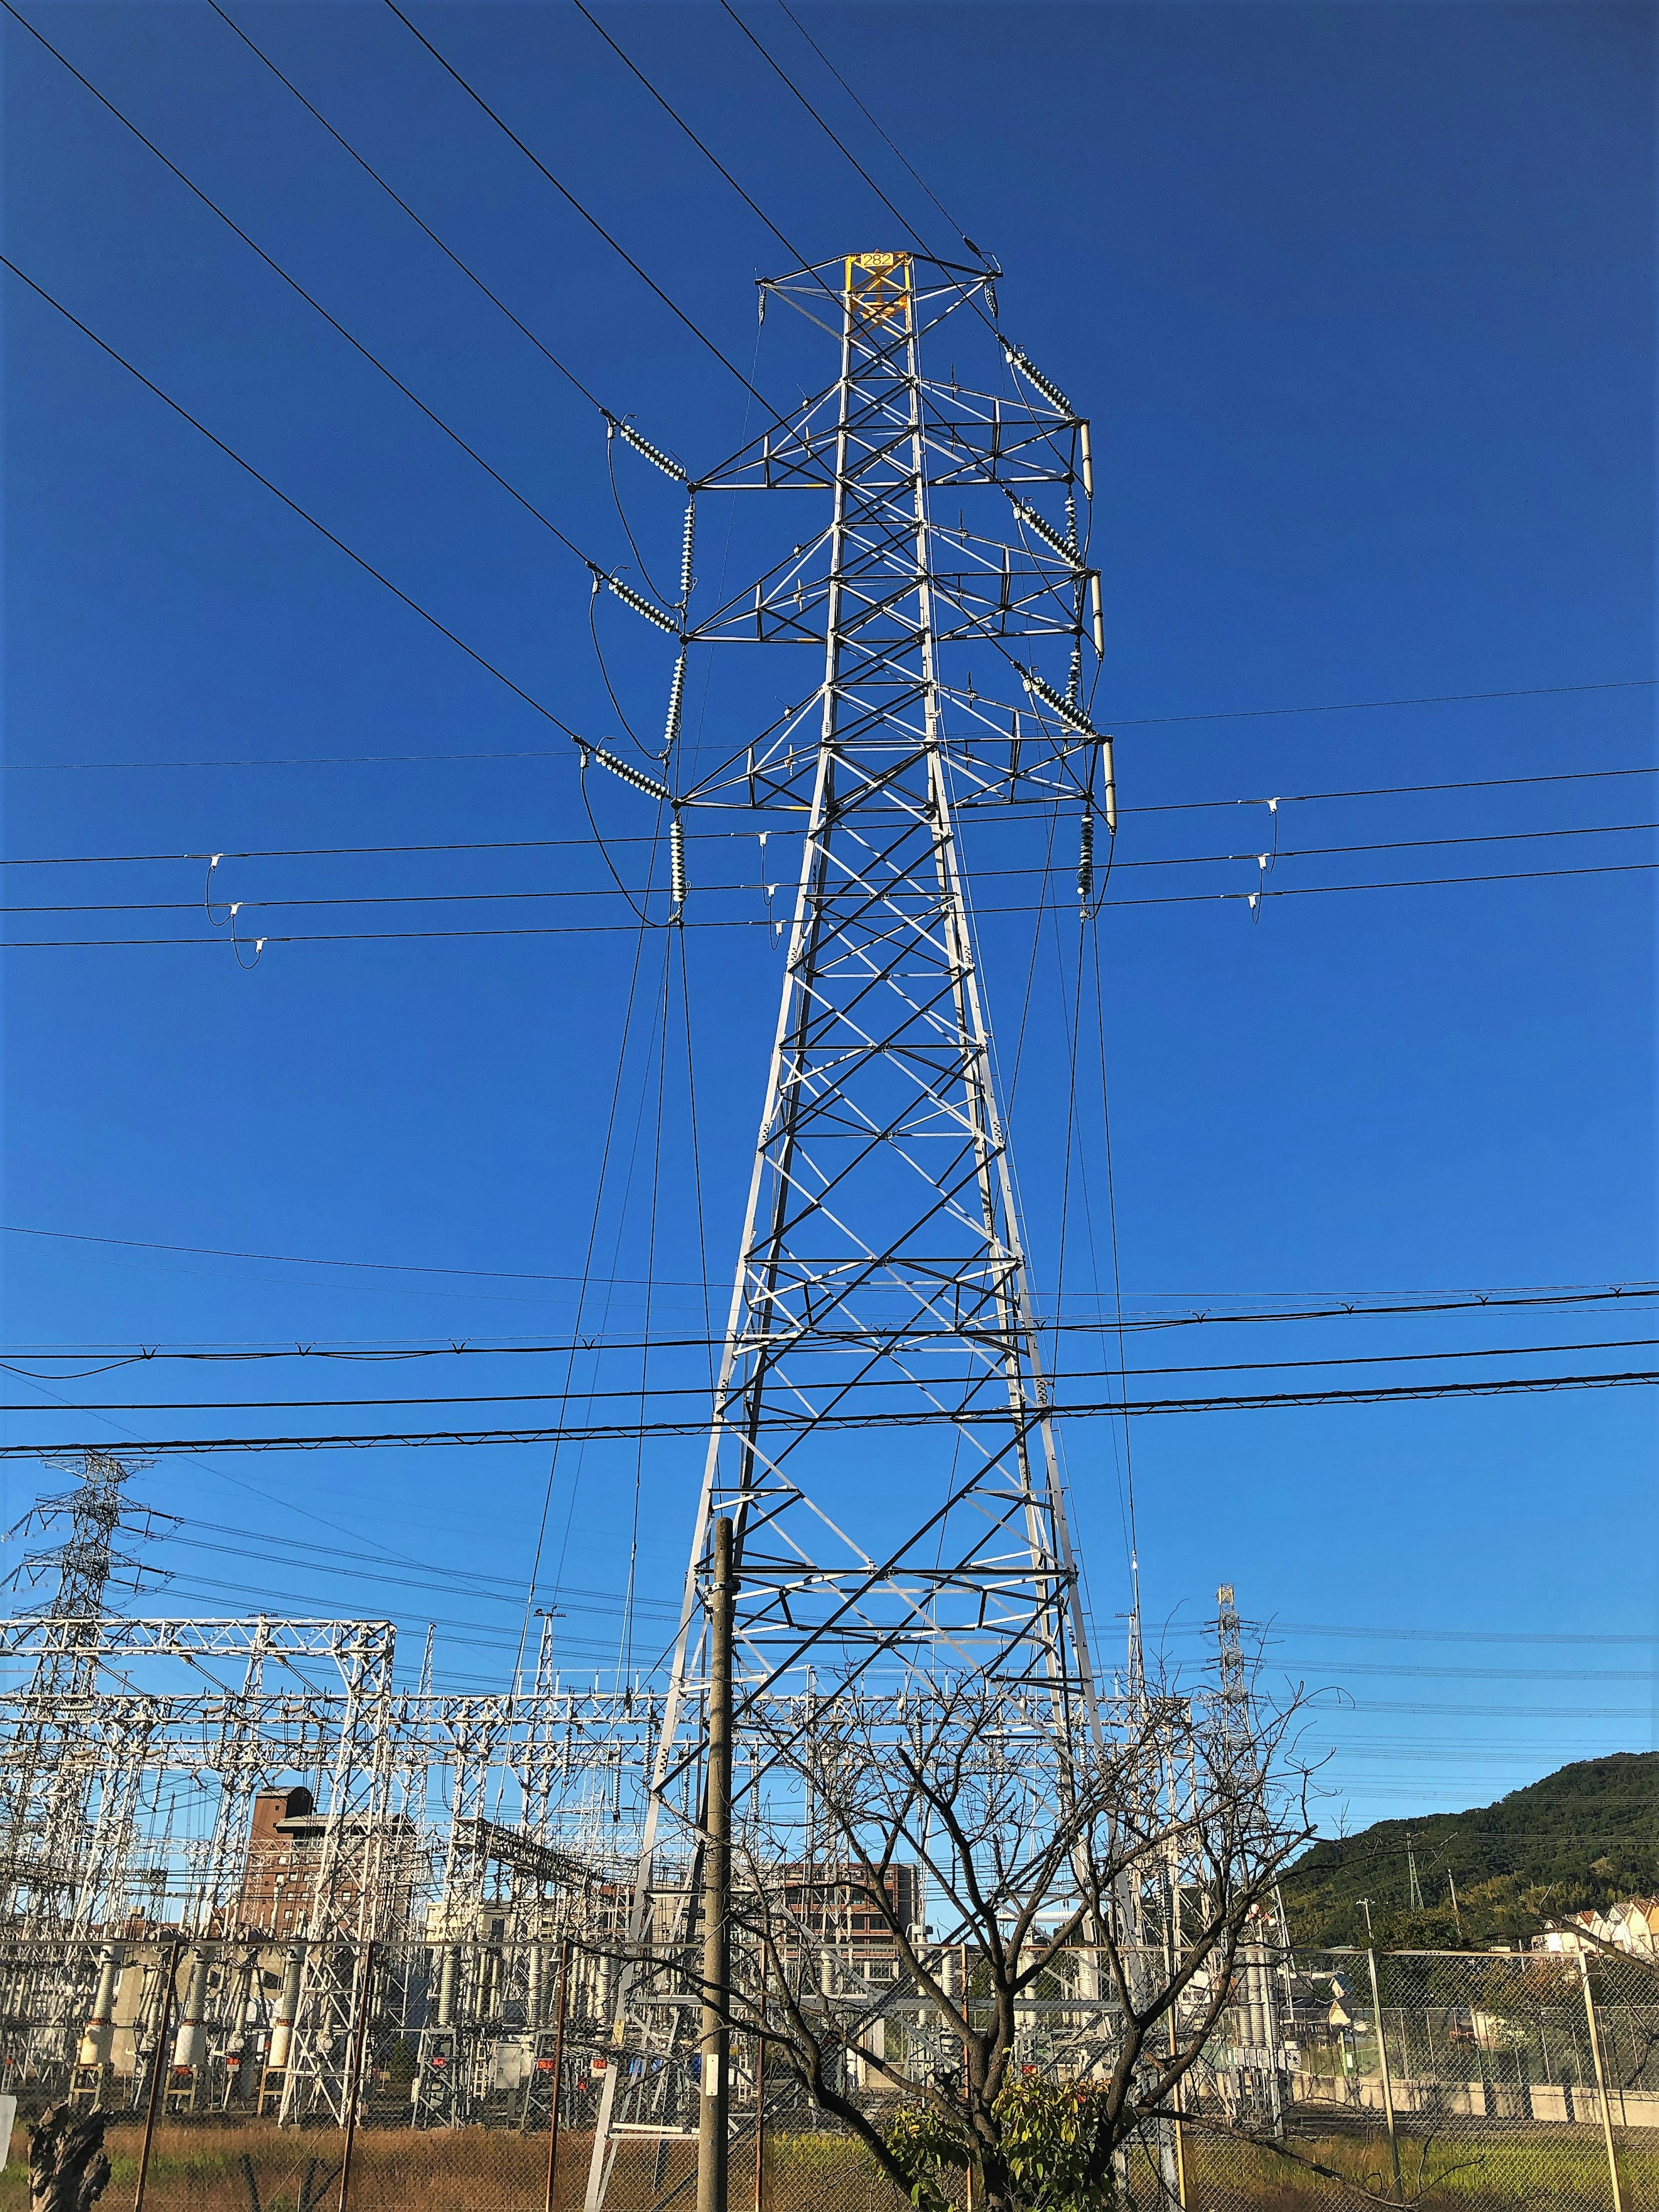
(881, 1268)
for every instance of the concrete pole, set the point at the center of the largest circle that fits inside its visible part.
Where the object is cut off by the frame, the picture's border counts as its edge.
(158, 2070)
(714, 2070)
(1387, 2081)
(562, 2001)
(1600, 2083)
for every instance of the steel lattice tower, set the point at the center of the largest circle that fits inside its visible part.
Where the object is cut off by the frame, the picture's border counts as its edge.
(47, 1837)
(882, 1285)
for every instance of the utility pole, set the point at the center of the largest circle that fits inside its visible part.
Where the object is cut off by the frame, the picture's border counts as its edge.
(713, 2071)
(1415, 1886)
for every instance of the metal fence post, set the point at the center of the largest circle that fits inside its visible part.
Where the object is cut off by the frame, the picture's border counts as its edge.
(355, 2073)
(1601, 2081)
(1388, 2083)
(760, 2124)
(158, 2067)
(558, 2072)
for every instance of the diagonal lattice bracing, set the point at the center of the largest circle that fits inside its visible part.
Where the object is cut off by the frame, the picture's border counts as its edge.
(881, 1287)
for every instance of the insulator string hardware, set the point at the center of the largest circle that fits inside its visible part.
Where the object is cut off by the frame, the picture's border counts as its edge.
(1063, 543)
(649, 784)
(638, 601)
(207, 891)
(688, 541)
(1033, 375)
(676, 702)
(676, 862)
(615, 428)
(1085, 861)
(1072, 715)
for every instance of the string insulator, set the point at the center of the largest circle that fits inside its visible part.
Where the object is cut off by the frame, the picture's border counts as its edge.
(1099, 618)
(625, 769)
(675, 698)
(1086, 861)
(630, 436)
(1065, 545)
(677, 863)
(1032, 374)
(1088, 462)
(688, 540)
(1074, 678)
(1109, 776)
(1073, 716)
(641, 606)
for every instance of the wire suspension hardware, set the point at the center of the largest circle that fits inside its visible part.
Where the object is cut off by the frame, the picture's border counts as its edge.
(688, 545)
(616, 427)
(1049, 390)
(676, 862)
(639, 604)
(675, 702)
(1068, 710)
(649, 784)
(1064, 543)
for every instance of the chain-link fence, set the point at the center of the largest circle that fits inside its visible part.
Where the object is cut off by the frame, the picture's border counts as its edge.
(276, 2076)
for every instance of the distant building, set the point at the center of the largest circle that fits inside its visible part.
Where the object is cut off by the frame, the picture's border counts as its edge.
(284, 1851)
(831, 1905)
(1632, 1926)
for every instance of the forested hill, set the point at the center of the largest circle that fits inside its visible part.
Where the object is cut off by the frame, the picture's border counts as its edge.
(1586, 1835)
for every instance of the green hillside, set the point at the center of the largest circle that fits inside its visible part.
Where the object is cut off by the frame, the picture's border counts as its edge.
(1586, 1835)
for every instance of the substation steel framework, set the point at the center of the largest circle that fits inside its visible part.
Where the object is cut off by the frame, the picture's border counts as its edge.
(881, 1338)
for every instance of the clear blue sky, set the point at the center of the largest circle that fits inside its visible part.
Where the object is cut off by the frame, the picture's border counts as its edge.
(1360, 299)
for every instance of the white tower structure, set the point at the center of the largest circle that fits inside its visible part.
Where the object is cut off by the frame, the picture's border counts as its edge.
(881, 1437)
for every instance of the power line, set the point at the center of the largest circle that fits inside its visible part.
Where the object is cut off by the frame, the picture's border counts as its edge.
(763, 921)
(295, 285)
(675, 116)
(1380, 791)
(1175, 806)
(876, 126)
(699, 1390)
(1371, 706)
(619, 890)
(779, 71)
(923, 1418)
(1405, 1304)
(471, 274)
(293, 505)
(586, 215)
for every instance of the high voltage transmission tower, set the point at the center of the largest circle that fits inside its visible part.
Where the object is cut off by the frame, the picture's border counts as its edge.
(43, 1787)
(881, 1438)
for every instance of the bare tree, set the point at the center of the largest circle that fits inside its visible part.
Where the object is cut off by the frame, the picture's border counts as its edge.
(1092, 1910)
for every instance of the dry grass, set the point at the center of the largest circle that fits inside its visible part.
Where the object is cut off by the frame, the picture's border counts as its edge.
(199, 2169)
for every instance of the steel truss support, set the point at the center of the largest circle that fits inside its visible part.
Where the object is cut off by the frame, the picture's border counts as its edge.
(883, 1270)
